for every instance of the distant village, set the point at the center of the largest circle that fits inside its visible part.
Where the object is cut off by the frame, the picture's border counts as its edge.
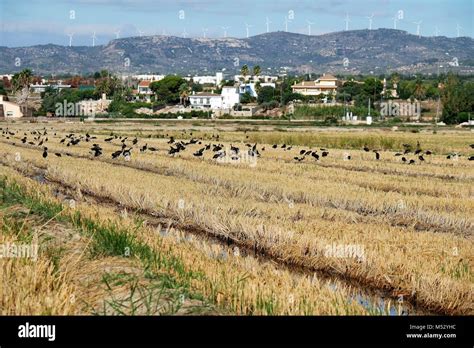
(250, 94)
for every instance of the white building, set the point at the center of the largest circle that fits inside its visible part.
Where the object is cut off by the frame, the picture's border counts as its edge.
(261, 78)
(42, 87)
(212, 80)
(144, 77)
(144, 88)
(205, 100)
(94, 107)
(248, 88)
(326, 84)
(230, 97)
(9, 109)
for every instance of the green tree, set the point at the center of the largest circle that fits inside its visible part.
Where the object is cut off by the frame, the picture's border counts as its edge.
(256, 70)
(419, 92)
(244, 71)
(108, 84)
(246, 98)
(457, 98)
(21, 86)
(266, 95)
(183, 93)
(168, 89)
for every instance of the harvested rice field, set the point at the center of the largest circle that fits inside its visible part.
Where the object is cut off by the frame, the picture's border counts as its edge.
(149, 219)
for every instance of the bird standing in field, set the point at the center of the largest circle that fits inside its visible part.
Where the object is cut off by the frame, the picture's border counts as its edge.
(45, 152)
(199, 153)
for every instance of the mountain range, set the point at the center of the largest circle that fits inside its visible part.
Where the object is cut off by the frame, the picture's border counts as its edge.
(350, 52)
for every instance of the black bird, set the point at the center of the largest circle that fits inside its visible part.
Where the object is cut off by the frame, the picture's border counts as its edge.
(471, 158)
(234, 149)
(135, 141)
(412, 161)
(417, 151)
(404, 159)
(45, 152)
(199, 153)
(109, 139)
(283, 146)
(421, 158)
(116, 154)
(325, 153)
(218, 155)
(143, 148)
(171, 141)
(472, 146)
(127, 153)
(407, 151)
(152, 149)
(366, 149)
(298, 159)
(377, 156)
(428, 152)
(217, 148)
(274, 146)
(58, 154)
(302, 152)
(315, 155)
(398, 154)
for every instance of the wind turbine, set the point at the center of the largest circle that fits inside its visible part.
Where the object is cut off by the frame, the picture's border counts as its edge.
(286, 23)
(225, 30)
(418, 27)
(370, 18)
(184, 33)
(267, 22)
(347, 20)
(395, 20)
(436, 32)
(458, 30)
(204, 32)
(93, 39)
(140, 32)
(117, 34)
(309, 27)
(247, 27)
(70, 38)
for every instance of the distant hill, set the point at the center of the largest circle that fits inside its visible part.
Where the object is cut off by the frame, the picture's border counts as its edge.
(378, 51)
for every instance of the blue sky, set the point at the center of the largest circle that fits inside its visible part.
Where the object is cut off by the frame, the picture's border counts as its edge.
(29, 22)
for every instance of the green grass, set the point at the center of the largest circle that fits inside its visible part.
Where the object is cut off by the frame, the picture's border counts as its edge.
(107, 239)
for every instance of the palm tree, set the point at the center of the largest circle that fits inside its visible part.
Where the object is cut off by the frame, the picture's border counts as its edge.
(244, 71)
(21, 85)
(420, 90)
(183, 93)
(395, 79)
(256, 70)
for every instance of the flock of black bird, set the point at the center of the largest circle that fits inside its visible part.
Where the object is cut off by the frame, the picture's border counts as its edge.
(37, 138)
